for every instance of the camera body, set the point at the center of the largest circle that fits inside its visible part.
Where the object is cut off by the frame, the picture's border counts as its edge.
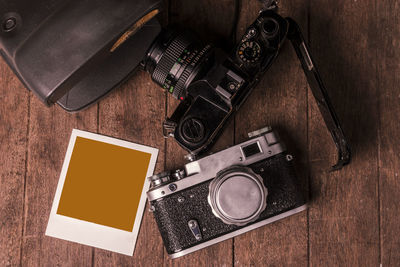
(225, 194)
(210, 83)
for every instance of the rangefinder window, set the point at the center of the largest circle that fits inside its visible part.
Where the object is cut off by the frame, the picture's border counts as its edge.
(251, 150)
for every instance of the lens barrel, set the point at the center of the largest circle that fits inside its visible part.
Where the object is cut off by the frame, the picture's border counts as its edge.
(175, 59)
(237, 195)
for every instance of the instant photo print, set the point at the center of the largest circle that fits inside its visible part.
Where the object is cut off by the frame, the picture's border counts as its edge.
(101, 193)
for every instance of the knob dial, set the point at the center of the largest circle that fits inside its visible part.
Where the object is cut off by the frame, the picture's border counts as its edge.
(159, 179)
(192, 130)
(249, 51)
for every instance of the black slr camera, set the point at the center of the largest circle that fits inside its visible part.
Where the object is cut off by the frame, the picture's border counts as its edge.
(225, 194)
(212, 85)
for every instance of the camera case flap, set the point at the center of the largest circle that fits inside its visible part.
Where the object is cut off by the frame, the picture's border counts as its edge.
(74, 52)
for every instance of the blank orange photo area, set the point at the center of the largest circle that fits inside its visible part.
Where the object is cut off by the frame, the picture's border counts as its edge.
(104, 184)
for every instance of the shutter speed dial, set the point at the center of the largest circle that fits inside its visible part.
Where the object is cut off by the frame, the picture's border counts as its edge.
(249, 52)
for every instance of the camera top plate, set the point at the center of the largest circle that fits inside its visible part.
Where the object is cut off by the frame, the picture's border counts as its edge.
(208, 167)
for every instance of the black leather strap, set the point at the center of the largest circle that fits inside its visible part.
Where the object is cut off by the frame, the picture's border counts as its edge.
(320, 94)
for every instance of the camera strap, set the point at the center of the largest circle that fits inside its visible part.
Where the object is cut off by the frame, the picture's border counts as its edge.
(317, 87)
(320, 94)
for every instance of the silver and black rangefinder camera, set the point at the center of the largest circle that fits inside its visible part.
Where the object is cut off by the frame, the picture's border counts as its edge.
(225, 194)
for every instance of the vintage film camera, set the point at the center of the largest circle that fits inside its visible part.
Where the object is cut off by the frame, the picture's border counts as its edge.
(225, 194)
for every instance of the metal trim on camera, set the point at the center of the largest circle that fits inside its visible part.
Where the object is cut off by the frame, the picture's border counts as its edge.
(208, 167)
(240, 231)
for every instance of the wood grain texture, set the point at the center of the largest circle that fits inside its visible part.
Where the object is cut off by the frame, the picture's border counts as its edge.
(353, 214)
(134, 113)
(14, 101)
(280, 100)
(344, 213)
(49, 133)
(388, 57)
(205, 20)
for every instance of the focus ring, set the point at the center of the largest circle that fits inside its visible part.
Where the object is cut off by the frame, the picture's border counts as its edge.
(180, 85)
(169, 58)
(181, 82)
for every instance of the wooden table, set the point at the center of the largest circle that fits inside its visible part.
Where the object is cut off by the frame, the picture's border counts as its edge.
(353, 219)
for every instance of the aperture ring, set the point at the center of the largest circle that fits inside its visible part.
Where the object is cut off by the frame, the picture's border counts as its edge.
(180, 85)
(169, 58)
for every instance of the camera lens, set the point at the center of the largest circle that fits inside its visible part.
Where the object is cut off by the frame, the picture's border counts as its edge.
(175, 60)
(237, 196)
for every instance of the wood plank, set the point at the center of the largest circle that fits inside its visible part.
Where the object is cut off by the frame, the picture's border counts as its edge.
(134, 113)
(389, 144)
(49, 133)
(343, 218)
(14, 114)
(280, 100)
(207, 21)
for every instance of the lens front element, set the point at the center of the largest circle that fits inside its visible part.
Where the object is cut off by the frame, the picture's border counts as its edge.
(237, 196)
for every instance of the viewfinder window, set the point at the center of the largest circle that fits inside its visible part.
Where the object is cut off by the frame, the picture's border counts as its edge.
(251, 150)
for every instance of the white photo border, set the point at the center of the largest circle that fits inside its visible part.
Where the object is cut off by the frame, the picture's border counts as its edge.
(93, 234)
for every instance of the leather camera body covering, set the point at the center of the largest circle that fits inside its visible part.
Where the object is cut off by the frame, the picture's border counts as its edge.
(75, 52)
